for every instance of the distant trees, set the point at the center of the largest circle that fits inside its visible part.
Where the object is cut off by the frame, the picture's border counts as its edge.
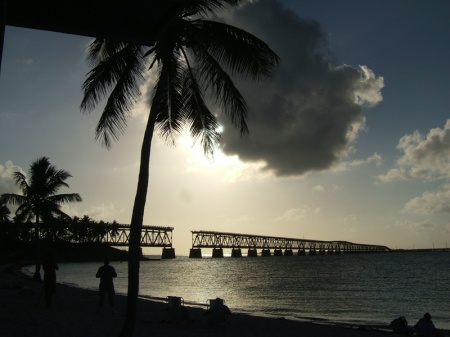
(76, 230)
(39, 201)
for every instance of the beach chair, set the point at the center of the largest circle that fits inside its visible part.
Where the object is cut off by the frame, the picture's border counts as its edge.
(218, 313)
(176, 311)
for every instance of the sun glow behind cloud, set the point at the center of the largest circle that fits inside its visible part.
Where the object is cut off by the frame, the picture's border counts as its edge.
(229, 168)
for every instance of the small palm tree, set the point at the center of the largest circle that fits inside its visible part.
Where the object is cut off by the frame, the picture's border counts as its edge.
(192, 57)
(39, 200)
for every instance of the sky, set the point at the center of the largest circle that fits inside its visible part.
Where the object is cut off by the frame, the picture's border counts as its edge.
(350, 141)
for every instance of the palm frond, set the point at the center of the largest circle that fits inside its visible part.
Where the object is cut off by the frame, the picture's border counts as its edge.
(215, 78)
(202, 123)
(108, 72)
(21, 181)
(56, 179)
(170, 105)
(100, 49)
(243, 53)
(13, 199)
(24, 212)
(122, 73)
(60, 199)
(205, 7)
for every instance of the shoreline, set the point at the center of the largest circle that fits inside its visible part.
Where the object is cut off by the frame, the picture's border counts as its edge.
(74, 313)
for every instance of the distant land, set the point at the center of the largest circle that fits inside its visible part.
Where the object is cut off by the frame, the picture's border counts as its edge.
(63, 252)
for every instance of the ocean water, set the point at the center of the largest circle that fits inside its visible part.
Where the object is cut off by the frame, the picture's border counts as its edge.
(350, 289)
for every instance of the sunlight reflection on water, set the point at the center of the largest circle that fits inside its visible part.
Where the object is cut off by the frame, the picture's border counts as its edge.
(366, 288)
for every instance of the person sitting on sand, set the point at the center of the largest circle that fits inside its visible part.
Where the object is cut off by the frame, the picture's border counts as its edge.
(106, 273)
(425, 327)
(218, 312)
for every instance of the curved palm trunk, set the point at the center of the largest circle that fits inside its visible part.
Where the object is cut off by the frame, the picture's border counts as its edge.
(137, 218)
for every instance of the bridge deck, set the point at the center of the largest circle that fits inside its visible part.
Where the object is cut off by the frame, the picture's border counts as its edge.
(209, 239)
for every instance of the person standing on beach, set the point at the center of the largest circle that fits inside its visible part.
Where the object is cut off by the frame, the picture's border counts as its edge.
(50, 267)
(106, 273)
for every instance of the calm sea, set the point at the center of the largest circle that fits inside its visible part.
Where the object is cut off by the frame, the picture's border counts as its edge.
(354, 289)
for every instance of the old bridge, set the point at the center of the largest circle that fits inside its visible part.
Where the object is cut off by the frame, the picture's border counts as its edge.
(280, 246)
(116, 235)
(155, 236)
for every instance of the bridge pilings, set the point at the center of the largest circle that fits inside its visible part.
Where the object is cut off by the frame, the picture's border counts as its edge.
(168, 253)
(195, 253)
(288, 252)
(217, 252)
(301, 252)
(236, 252)
(252, 252)
(266, 252)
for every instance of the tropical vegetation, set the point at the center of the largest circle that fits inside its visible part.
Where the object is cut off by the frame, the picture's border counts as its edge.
(39, 201)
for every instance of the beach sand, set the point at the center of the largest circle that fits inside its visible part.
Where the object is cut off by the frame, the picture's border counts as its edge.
(74, 314)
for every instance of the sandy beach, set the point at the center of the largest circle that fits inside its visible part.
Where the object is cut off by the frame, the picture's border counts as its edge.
(74, 313)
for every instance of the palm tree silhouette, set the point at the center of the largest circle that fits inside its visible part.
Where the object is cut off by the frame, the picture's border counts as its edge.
(192, 57)
(39, 199)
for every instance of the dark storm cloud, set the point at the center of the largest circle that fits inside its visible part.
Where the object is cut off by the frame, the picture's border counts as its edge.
(309, 117)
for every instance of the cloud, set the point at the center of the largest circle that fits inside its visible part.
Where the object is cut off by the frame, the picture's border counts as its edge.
(350, 218)
(27, 62)
(7, 181)
(100, 212)
(318, 188)
(293, 214)
(374, 159)
(297, 214)
(424, 226)
(310, 116)
(423, 157)
(429, 203)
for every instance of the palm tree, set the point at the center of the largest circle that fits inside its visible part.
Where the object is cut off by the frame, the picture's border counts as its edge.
(192, 57)
(39, 199)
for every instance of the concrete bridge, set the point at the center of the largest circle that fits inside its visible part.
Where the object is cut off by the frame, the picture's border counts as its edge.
(280, 246)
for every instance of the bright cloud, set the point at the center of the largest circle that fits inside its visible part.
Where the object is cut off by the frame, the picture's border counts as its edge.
(7, 182)
(99, 212)
(297, 214)
(424, 157)
(318, 188)
(368, 88)
(233, 169)
(374, 159)
(429, 203)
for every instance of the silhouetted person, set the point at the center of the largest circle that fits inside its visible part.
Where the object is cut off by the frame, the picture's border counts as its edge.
(50, 267)
(106, 273)
(400, 326)
(425, 327)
